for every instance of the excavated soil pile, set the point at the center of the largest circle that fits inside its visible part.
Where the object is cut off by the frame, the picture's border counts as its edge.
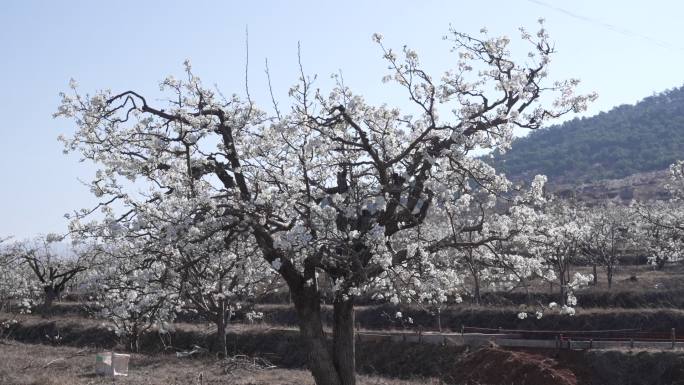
(491, 366)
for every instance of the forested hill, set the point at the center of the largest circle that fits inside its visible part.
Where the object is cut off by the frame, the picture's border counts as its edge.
(626, 140)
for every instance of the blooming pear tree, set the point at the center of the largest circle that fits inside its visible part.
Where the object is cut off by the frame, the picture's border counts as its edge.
(676, 185)
(16, 284)
(18, 288)
(51, 271)
(556, 241)
(175, 252)
(515, 267)
(659, 232)
(471, 231)
(7, 262)
(132, 292)
(610, 231)
(334, 186)
(216, 280)
(660, 224)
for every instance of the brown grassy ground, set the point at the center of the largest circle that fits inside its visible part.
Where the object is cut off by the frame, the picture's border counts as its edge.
(28, 364)
(405, 363)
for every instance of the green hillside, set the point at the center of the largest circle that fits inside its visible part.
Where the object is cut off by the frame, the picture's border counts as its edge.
(628, 139)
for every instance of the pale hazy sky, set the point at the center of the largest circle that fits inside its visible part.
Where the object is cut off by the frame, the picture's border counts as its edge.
(625, 50)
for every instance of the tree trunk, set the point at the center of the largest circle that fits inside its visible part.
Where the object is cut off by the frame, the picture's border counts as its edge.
(476, 289)
(528, 295)
(609, 276)
(51, 294)
(563, 289)
(343, 340)
(595, 276)
(439, 319)
(134, 339)
(320, 358)
(221, 335)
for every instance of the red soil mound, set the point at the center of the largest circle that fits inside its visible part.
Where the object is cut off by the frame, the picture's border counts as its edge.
(490, 366)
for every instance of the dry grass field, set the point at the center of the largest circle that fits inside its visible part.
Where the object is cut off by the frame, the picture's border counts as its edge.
(34, 364)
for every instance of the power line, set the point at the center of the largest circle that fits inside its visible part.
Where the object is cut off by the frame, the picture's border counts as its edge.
(612, 27)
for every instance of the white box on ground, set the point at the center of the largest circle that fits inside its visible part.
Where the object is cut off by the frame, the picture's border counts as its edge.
(111, 364)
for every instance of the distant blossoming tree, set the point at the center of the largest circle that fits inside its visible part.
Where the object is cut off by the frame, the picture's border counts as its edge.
(169, 253)
(610, 231)
(660, 224)
(131, 293)
(51, 271)
(15, 279)
(557, 238)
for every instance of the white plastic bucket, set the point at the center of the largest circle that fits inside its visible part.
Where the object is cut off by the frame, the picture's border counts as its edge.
(111, 364)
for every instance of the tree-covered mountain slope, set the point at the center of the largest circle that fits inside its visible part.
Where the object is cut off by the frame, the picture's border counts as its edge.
(628, 139)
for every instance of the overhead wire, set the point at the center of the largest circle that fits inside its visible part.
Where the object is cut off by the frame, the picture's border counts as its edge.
(609, 26)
